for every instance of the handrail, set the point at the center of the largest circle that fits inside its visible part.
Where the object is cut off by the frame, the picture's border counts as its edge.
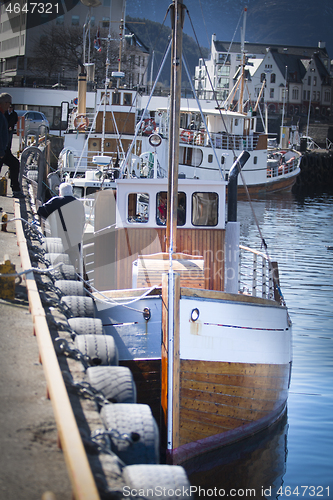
(220, 140)
(256, 277)
(81, 477)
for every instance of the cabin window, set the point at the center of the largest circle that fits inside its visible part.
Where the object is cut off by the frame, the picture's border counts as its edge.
(92, 190)
(205, 209)
(138, 208)
(78, 192)
(190, 156)
(161, 208)
(210, 158)
(222, 160)
(127, 99)
(116, 98)
(255, 160)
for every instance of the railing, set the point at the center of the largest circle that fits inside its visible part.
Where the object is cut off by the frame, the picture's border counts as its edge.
(283, 169)
(75, 162)
(258, 276)
(219, 140)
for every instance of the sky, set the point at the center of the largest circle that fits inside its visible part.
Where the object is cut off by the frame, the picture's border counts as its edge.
(296, 22)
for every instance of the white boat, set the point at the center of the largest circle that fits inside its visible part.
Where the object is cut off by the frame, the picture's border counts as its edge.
(129, 135)
(209, 346)
(203, 154)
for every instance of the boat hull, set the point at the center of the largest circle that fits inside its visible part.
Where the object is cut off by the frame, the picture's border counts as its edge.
(273, 186)
(222, 403)
(231, 370)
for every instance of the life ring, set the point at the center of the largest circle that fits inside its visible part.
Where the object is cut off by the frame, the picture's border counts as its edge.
(81, 122)
(149, 126)
(186, 136)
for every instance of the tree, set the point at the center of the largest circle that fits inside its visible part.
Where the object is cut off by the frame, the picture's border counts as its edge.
(57, 48)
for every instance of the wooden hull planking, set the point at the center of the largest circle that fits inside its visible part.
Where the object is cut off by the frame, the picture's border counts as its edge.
(219, 403)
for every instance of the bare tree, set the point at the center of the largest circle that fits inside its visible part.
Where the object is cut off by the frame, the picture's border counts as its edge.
(56, 49)
(59, 49)
(47, 56)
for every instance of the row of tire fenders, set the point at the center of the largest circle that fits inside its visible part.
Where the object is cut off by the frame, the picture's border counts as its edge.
(128, 429)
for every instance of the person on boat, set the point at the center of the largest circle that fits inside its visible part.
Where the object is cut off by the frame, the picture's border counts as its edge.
(66, 218)
(65, 196)
(6, 156)
(162, 208)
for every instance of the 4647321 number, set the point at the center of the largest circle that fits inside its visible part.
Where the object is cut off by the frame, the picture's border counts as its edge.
(33, 7)
(304, 491)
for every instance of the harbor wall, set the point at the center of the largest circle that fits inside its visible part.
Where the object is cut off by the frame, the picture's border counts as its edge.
(316, 174)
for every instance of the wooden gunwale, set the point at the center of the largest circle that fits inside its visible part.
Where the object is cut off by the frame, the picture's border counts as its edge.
(189, 292)
(219, 295)
(80, 474)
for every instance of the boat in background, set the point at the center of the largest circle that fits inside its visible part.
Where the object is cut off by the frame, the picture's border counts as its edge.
(128, 135)
(203, 154)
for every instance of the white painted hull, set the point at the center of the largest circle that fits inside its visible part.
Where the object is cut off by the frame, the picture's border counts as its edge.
(226, 331)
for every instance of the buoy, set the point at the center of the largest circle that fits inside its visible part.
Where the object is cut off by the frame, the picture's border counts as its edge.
(186, 136)
(81, 122)
(149, 126)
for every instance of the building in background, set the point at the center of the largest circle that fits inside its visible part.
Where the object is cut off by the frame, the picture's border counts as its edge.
(283, 78)
(43, 48)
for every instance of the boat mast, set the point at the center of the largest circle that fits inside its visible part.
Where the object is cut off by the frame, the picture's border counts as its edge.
(241, 95)
(177, 22)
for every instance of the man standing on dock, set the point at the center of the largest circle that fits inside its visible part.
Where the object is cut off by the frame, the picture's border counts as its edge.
(6, 156)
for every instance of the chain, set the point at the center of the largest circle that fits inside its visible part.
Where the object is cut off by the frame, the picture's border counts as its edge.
(62, 347)
(85, 390)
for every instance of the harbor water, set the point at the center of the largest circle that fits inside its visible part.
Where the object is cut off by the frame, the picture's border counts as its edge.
(294, 458)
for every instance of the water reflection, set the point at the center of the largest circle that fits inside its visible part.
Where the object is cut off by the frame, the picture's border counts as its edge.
(254, 467)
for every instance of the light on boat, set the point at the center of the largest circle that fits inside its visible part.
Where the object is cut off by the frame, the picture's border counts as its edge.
(155, 140)
(195, 314)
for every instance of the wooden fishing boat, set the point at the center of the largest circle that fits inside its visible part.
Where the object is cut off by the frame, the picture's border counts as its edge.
(209, 348)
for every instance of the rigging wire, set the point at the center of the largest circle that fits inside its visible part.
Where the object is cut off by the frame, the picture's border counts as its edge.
(143, 114)
(203, 18)
(263, 242)
(146, 70)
